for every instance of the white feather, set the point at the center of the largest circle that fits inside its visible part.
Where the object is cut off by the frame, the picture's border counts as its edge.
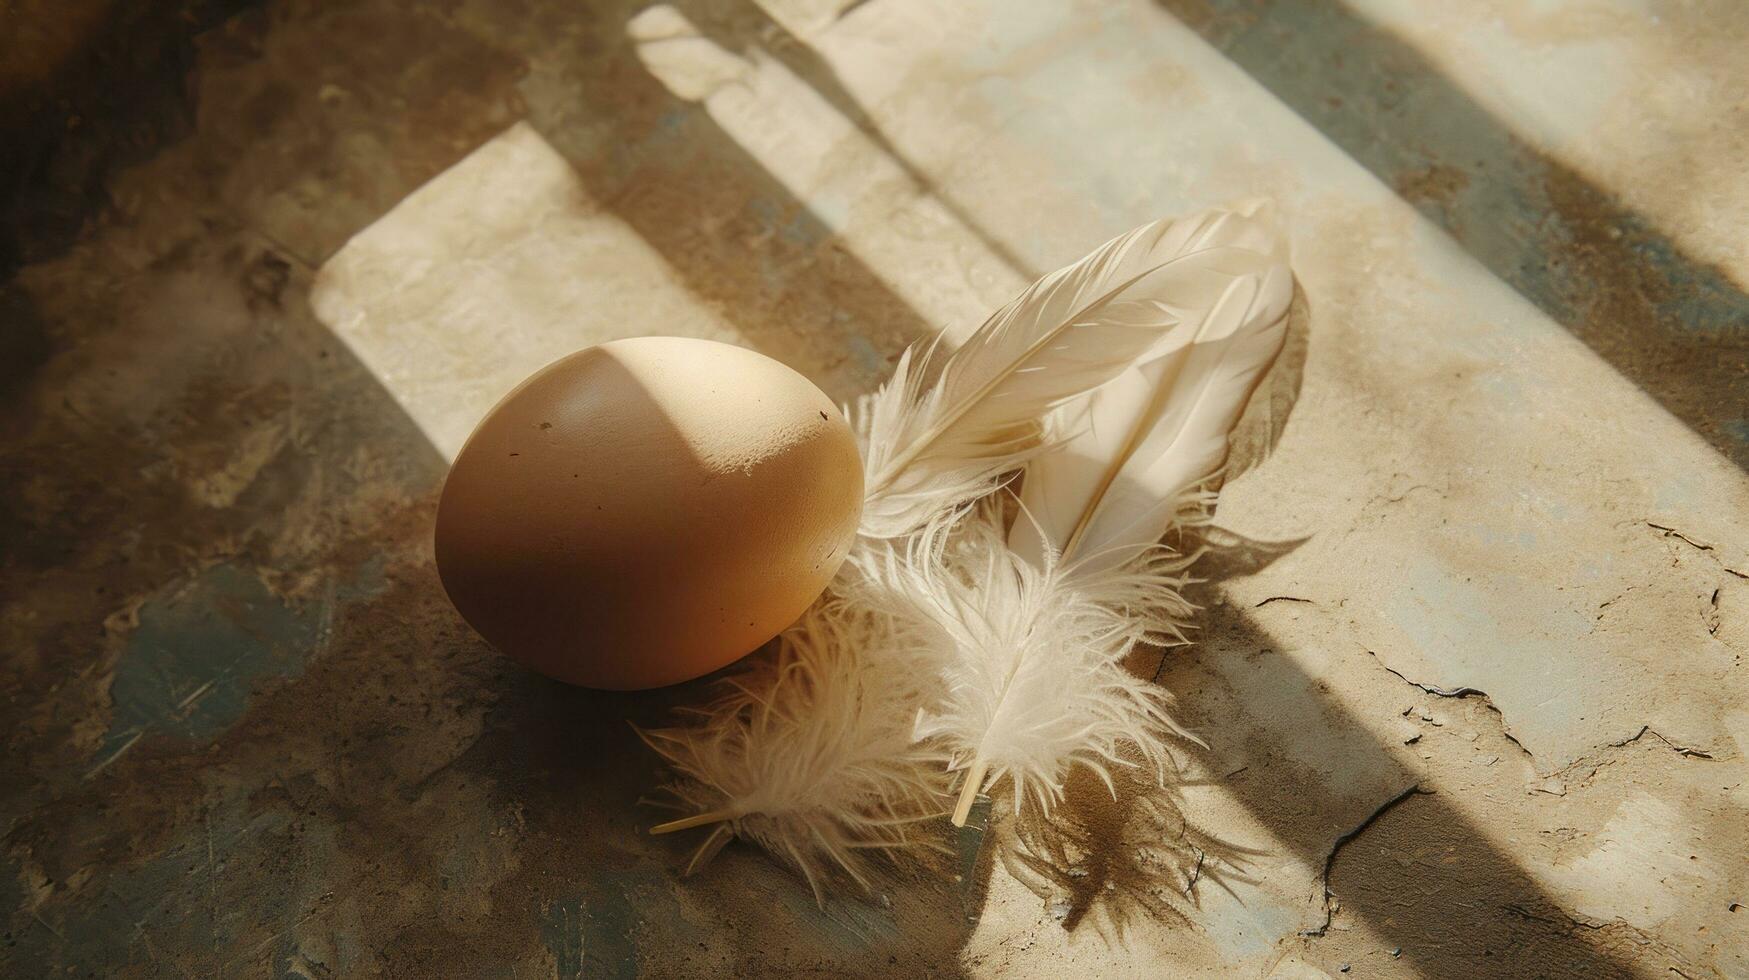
(932, 446)
(1161, 429)
(810, 754)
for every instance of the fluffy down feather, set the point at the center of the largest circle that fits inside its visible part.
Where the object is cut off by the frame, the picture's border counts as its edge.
(810, 754)
(1028, 661)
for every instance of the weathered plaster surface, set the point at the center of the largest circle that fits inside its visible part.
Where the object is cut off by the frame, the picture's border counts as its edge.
(1471, 666)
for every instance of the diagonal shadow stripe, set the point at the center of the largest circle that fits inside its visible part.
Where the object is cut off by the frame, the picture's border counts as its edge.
(1674, 325)
(743, 26)
(733, 234)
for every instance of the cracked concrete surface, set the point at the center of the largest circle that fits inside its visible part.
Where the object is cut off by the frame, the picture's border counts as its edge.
(1475, 614)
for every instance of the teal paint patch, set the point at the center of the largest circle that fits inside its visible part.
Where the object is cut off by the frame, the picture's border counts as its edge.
(1288, 709)
(597, 935)
(1677, 492)
(193, 908)
(673, 121)
(190, 665)
(1520, 538)
(562, 933)
(201, 650)
(794, 225)
(1526, 643)
(968, 845)
(1252, 927)
(1738, 430)
(850, 922)
(1503, 390)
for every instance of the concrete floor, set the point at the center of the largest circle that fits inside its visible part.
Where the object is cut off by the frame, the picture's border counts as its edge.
(1471, 666)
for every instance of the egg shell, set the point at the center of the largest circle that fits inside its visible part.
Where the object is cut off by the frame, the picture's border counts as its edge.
(648, 510)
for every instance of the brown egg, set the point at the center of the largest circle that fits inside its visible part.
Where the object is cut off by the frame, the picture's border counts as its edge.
(646, 511)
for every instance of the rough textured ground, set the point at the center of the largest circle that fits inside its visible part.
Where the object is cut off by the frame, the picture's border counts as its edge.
(1472, 658)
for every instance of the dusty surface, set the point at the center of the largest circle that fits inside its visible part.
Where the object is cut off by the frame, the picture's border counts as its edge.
(1472, 666)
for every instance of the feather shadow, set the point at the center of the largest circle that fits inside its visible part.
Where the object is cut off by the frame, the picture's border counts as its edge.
(1129, 852)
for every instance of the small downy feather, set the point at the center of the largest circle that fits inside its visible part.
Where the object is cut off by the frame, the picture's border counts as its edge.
(1036, 633)
(809, 755)
(935, 440)
(1029, 663)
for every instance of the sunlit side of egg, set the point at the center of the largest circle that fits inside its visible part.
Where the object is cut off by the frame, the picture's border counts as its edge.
(646, 511)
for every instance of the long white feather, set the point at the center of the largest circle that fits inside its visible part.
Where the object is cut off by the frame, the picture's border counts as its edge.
(934, 441)
(1036, 628)
(1161, 429)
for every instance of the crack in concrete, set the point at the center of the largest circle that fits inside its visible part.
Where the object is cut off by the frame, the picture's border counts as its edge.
(1196, 872)
(1388, 498)
(1671, 532)
(1637, 935)
(1682, 750)
(1612, 600)
(1698, 545)
(1444, 692)
(1598, 760)
(1460, 692)
(1566, 920)
(1524, 913)
(1343, 840)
